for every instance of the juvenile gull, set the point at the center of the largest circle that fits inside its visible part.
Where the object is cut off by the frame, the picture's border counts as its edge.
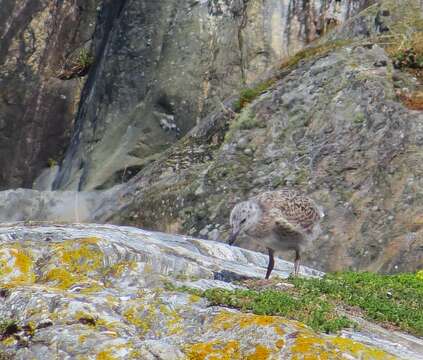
(279, 220)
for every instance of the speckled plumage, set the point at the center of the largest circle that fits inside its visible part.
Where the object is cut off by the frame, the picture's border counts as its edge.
(279, 220)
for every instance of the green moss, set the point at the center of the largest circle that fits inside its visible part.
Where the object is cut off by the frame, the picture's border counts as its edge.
(359, 118)
(247, 95)
(314, 51)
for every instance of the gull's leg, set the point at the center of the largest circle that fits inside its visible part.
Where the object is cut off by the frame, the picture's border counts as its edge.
(271, 262)
(297, 263)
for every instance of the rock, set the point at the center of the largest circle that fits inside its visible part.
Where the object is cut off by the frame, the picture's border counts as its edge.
(31, 205)
(330, 125)
(37, 109)
(165, 65)
(101, 291)
(350, 170)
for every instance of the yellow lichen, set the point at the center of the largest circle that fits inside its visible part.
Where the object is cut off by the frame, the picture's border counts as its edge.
(64, 280)
(78, 259)
(81, 255)
(214, 350)
(105, 355)
(174, 322)
(16, 266)
(133, 316)
(195, 298)
(306, 345)
(309, 346)
(9, 341)
(261, 353)
(82, 338)
(227, 320)
(135, 354)
(360, 350)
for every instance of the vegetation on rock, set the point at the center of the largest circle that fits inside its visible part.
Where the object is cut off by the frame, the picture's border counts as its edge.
(325, 304)
(78, 66)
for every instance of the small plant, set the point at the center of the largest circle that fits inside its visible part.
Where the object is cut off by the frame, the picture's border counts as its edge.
(85, 59)
(8, 328)
(51, 162)
(408, 58)
(78, 66)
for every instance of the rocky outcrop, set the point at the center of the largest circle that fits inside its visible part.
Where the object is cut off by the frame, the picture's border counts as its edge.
(329, 123)
(100, 292)
(38, 39)
(63, 206)
(165, 65)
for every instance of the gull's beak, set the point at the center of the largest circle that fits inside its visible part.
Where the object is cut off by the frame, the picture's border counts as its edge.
(232, 238)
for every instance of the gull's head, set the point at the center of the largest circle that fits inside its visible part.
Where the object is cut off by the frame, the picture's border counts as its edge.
(243, 217)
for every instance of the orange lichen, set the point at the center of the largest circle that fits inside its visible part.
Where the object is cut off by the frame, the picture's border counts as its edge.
(280, 343)
(413, 101)
(261, 353)
(214, 350)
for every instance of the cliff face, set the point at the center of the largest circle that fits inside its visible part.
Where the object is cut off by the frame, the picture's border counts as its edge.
(166, 64)
(37, 39)
(337, 121)
(329, 123)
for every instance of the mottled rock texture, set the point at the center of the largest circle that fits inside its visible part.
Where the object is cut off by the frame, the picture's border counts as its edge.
(37, 110)
(166, 64)
(98, 292)
(330, 125)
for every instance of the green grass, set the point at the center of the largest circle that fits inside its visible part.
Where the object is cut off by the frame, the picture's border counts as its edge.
(395, 301)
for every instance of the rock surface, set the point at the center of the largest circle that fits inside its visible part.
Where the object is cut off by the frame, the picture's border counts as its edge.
(164, 65)
(330, 125)
(98, 292)
(37, 110)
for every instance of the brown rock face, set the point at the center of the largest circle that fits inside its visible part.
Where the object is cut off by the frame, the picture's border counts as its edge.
(38, 37)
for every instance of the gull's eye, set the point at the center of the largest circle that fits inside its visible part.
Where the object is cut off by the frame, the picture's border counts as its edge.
(243, 221)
